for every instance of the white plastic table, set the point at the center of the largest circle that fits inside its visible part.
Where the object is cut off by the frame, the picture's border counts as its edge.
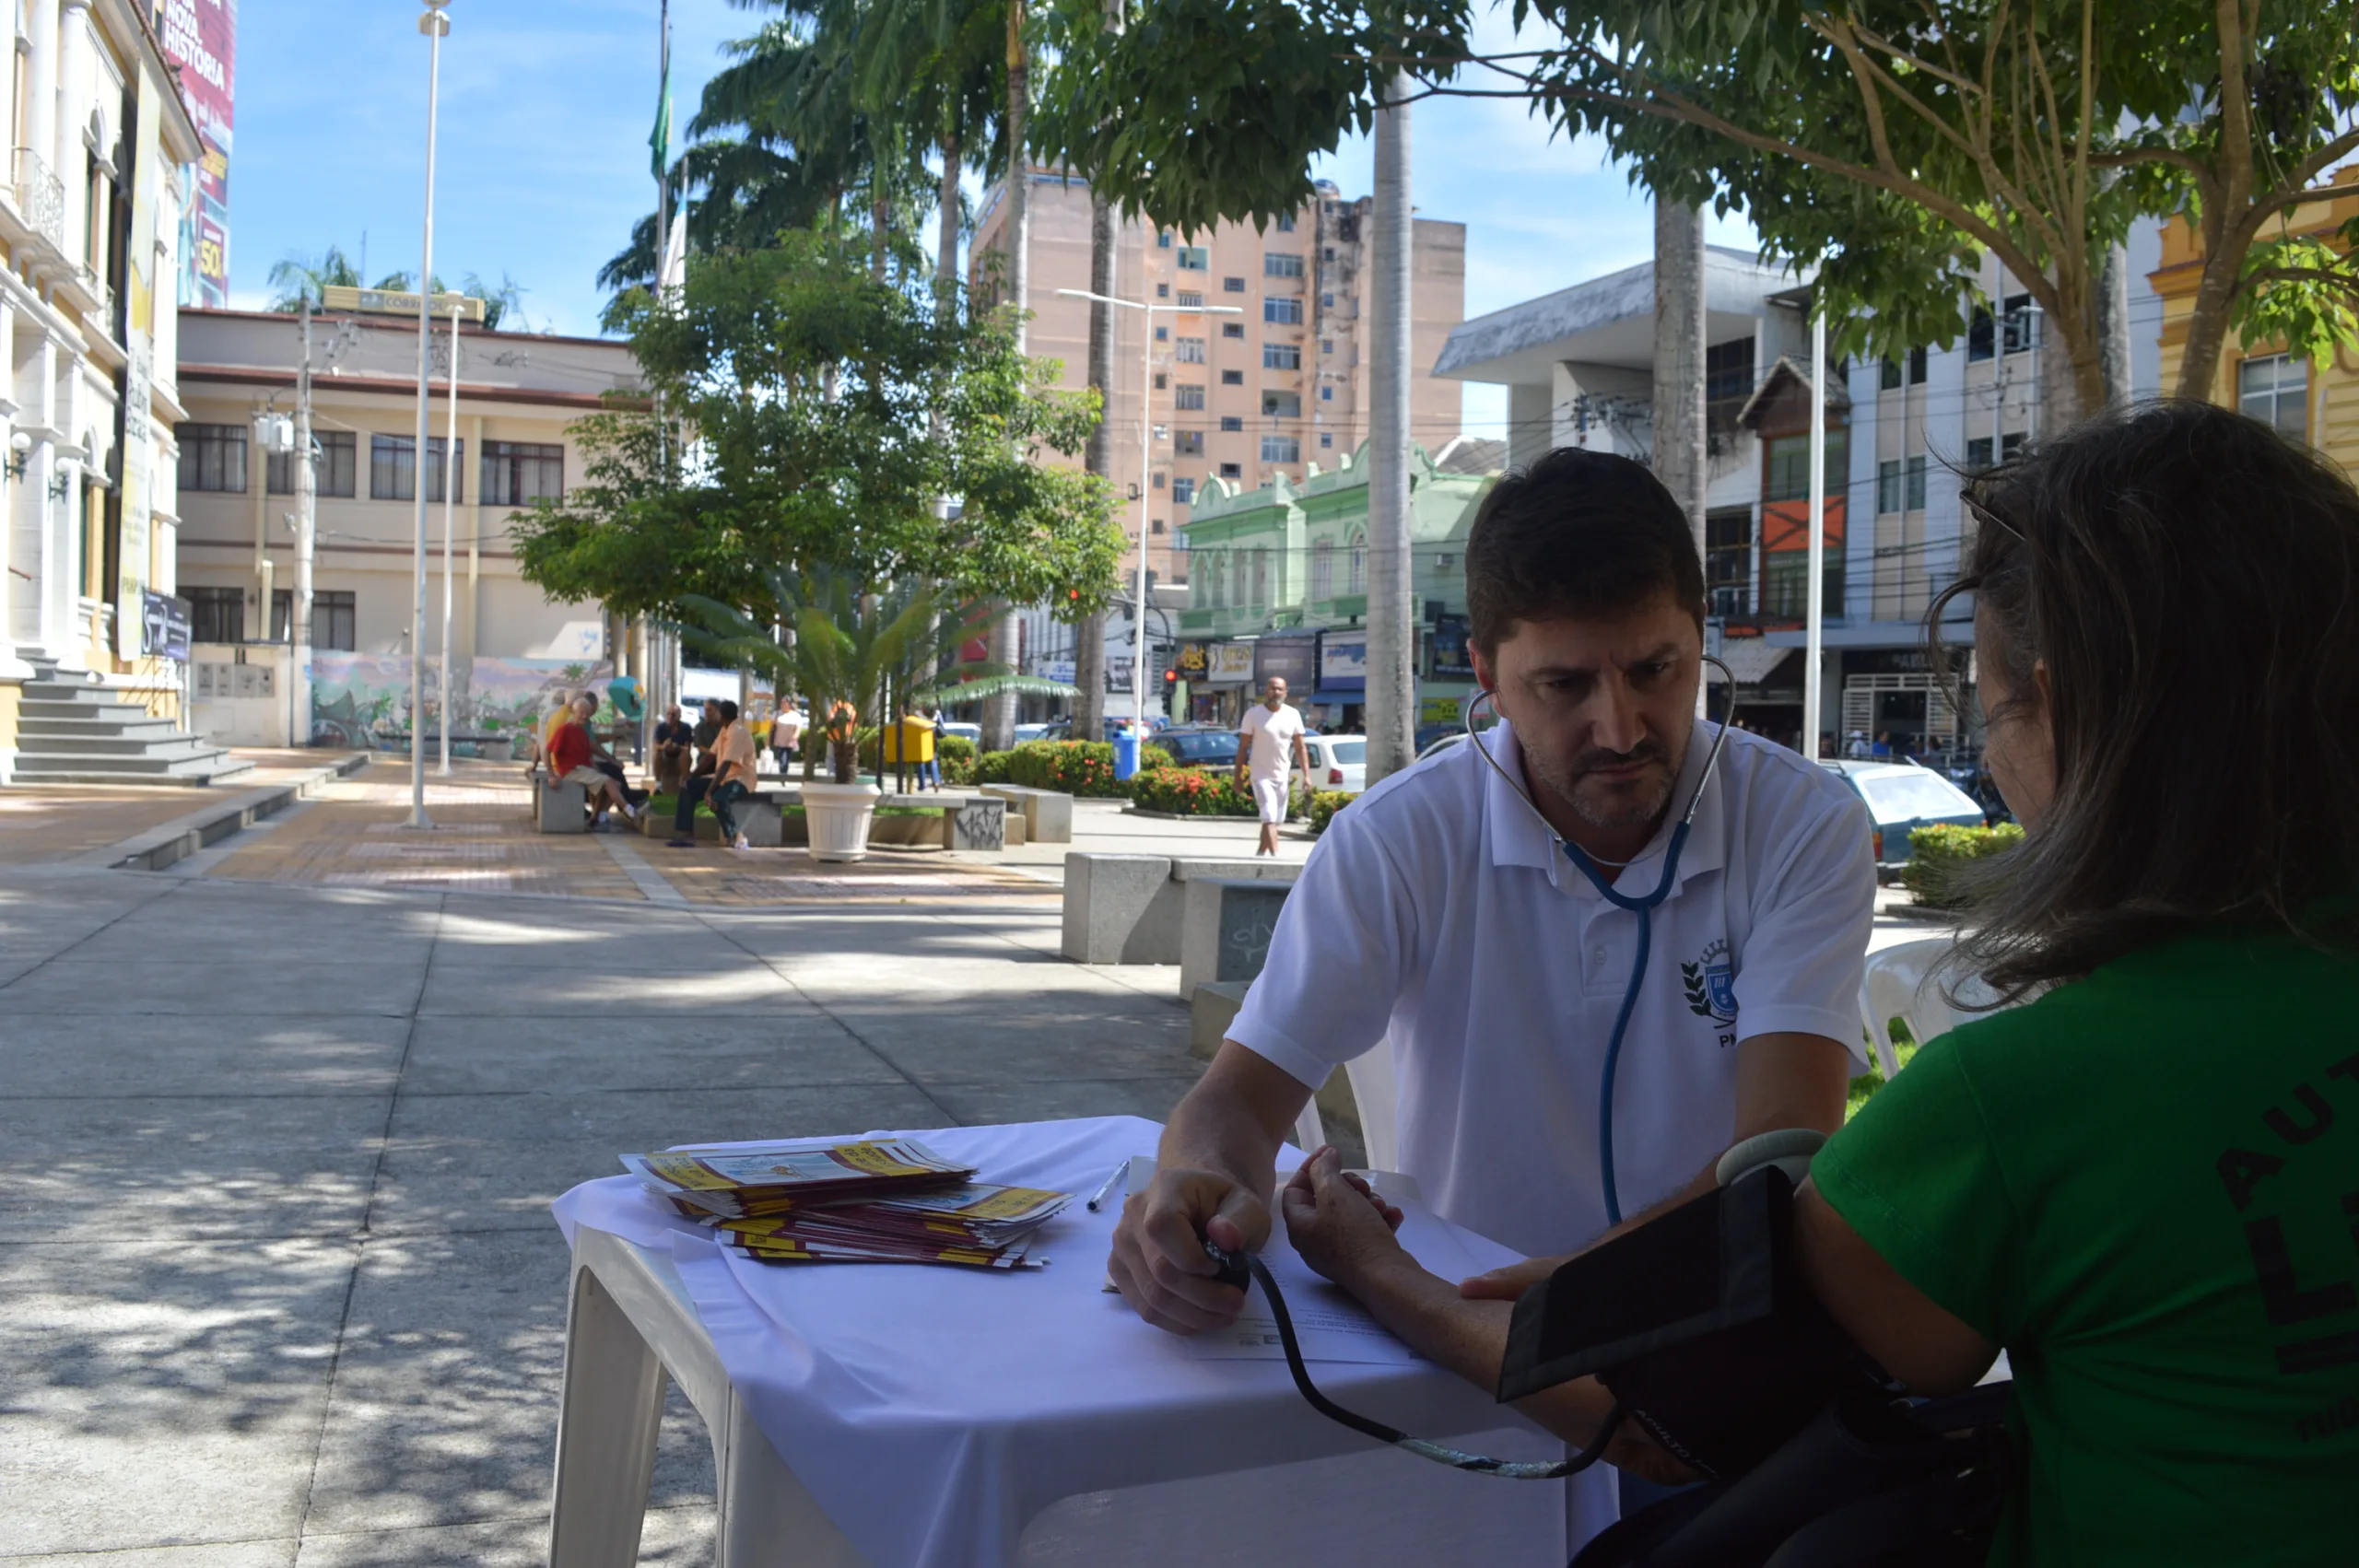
(1218, 1461)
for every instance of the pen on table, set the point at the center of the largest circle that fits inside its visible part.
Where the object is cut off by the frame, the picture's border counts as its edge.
(1107, 1186)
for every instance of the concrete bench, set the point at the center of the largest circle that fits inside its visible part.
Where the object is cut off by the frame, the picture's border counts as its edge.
(560, 808)
(1047, 813)
(1226, 924)
(1127, 909)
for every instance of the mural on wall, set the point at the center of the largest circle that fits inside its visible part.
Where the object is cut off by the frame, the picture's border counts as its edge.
(362, 701)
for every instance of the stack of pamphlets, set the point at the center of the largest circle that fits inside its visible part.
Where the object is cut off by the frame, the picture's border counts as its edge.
(886, 1200)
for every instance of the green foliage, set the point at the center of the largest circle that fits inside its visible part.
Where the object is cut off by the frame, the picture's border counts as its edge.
(1200, 791)
(1890, 144)
(831, 412)
(1201, 111)
(992, 767)
(1936, 853)
(846, 643)
(1075, 768)
(1324, 805)
(1863, 1087)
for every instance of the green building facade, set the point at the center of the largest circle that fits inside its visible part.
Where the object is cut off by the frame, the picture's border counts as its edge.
(1278, 584)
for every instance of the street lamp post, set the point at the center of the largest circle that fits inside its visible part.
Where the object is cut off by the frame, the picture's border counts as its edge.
(450, 504)
(436, 26)
(1146, 464)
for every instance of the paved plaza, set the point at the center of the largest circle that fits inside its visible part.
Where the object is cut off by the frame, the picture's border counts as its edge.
(280, 1128)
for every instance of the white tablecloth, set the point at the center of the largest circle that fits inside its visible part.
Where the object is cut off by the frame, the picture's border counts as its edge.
(939, 1415)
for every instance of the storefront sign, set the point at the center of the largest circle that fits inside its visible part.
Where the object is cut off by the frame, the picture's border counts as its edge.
(1293, 659)
(1343, 662)
(1231, 664)
(1196, 659)
(1441, 710)
(1057, 670)
(1451, 659)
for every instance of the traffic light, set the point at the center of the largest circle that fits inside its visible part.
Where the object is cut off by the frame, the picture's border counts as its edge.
(1170, 677)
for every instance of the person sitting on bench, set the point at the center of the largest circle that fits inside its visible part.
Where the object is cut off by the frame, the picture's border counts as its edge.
(724, 777)
(572, 760)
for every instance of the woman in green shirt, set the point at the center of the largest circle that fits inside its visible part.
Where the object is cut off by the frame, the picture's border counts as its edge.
(2144, 1183)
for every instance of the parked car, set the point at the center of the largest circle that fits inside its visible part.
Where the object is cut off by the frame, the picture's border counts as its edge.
(1199, 746)
(1901, 796)
(1338, 762)
(1061, 728)
(1039, 731)
(973, 732)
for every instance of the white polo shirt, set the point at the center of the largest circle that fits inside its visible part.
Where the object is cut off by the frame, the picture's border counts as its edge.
(1437, 916)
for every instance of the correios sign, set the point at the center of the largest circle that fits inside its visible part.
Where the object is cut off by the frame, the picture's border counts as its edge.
(393, 302)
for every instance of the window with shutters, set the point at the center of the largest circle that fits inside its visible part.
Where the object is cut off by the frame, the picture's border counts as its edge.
(213, 457)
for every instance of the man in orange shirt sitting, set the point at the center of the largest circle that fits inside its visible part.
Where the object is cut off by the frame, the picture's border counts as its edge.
(571, 761)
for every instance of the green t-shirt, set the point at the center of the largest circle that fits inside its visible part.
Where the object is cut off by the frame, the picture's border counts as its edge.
(2145, 1185)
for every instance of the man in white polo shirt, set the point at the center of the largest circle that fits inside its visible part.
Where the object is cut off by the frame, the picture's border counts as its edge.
(1269, 743)
(1439, 920)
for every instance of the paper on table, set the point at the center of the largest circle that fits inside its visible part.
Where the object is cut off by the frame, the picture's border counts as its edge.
(1328, 1324)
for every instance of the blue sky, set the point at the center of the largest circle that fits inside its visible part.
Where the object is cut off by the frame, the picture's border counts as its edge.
(545, 115)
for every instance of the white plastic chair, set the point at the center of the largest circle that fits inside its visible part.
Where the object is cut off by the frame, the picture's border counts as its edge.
(1370, 1074)
(1900, 983)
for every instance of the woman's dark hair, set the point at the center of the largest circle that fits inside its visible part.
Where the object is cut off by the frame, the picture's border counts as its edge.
(2190, 580)
(1579, 533)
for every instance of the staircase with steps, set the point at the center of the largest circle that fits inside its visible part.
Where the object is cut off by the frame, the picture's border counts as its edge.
(72, 731)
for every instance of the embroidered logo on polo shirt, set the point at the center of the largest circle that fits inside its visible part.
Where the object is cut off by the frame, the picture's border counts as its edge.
(1711, 982)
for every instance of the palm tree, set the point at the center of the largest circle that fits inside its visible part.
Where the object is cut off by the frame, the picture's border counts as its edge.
(297, 277)
(847, 646)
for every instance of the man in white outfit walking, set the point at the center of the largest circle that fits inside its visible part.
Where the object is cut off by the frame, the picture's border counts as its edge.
(1269, 743)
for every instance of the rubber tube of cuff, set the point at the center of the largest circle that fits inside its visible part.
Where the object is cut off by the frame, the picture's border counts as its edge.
(1511, 1469)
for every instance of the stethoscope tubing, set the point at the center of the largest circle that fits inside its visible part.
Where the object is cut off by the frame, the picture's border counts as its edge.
(1641, 905)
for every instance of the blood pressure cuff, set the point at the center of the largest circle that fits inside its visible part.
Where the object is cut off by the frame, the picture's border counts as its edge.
(1700, 1324)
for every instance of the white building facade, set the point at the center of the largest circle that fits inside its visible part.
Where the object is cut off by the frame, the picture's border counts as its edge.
(101, 144)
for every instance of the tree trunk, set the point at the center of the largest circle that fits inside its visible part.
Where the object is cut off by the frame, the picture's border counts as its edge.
(880, 221)
(2207, 329)
(1391, 627)
(1680, 454)
(946, 258)
(2113, 325)
(999, 712)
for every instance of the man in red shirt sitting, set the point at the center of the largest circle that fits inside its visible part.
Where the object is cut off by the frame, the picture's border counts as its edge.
(570, 754)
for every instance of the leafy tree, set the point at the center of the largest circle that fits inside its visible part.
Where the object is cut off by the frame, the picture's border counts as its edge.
(1892, 143)
(782, 474)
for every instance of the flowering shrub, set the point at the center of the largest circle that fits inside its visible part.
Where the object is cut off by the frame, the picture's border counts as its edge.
(1076, 767)
(1324, 805)
(990, 768)
(1198, 791)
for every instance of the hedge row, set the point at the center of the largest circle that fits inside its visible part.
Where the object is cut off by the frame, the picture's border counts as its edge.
(1938, 854)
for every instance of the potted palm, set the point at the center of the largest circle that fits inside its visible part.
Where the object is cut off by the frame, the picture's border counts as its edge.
(843, 645)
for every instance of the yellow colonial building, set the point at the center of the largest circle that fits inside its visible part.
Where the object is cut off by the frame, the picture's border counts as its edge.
(2320, 406)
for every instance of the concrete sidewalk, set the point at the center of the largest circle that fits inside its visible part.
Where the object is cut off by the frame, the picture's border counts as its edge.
(276, 1269)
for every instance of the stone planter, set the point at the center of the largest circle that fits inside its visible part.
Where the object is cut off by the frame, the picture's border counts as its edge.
(839, 815)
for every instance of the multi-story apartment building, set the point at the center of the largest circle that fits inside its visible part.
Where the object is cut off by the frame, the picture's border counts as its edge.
(1258, 363)
(518, 396)
(90, 212)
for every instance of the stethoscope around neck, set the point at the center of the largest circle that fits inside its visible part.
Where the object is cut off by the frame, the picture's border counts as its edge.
(1642, 904)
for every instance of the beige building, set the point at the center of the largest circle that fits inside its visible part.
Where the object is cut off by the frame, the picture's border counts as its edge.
(90, 208)
(518, 395)
(1279, 386)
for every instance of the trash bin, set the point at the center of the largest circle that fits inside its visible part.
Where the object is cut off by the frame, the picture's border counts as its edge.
(1126, 752)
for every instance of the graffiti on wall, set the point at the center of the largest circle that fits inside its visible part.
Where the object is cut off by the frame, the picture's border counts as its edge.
(362, 701)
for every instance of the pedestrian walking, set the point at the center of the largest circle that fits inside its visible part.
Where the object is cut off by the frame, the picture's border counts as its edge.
(1269, 743)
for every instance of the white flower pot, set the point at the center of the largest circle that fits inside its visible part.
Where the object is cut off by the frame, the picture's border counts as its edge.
(838, 815)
